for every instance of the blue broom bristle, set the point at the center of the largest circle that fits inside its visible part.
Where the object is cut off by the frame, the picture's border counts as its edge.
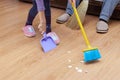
(91, 55)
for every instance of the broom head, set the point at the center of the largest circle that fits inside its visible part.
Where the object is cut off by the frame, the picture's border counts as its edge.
(91, 54)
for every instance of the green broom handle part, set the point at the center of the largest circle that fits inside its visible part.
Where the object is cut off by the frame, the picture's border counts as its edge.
(81, 26)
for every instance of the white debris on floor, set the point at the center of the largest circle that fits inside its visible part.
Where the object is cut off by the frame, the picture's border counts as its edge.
(86, 71)
(69, 60)
(69, 66)
(78, 69)
(81, 61)
(68, 51)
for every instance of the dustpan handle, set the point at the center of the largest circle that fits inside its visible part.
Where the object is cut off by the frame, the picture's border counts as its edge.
(44, 35)
(81, 26)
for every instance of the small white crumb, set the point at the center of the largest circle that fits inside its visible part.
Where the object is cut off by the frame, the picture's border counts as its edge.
(86, 71)
(68, 51)
(69, 66)
(79, 70)
(76, 68)
(81, 61)
(69, 60)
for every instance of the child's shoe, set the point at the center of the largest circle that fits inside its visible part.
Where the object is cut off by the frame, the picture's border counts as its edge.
(29, 31)
(54, 36)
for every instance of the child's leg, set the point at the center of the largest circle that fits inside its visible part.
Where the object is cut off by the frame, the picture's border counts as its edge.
(28, 29)
(47, 15)
(32, 13)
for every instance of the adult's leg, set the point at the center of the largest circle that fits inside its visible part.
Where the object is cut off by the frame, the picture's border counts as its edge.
(106, 12)
(107, 9)
(69, 11)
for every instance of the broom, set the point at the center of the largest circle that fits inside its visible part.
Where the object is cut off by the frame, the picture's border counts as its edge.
(82, 9)
(90, 54)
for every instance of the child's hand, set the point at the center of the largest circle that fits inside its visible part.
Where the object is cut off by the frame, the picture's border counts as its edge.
(42, 24)
(42, 27)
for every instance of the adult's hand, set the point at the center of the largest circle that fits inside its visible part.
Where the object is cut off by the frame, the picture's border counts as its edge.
(74, 1)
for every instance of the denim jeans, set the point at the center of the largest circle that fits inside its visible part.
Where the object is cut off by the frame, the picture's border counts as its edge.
(106, 12)
(69, 9)
(107, 9)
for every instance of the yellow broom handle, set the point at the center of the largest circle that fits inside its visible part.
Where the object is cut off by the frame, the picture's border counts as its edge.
(81, 26)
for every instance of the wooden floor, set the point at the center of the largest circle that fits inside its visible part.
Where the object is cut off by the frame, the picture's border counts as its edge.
(22, 58)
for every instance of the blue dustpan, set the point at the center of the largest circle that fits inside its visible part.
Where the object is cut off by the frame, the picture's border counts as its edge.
(47, 43)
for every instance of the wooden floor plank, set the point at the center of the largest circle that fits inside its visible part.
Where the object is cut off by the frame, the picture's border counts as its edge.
(22, 58)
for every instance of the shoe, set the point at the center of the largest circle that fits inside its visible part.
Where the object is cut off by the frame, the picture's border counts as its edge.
(102, 27)
(54, 36)
(63, 18)
(29, 31)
